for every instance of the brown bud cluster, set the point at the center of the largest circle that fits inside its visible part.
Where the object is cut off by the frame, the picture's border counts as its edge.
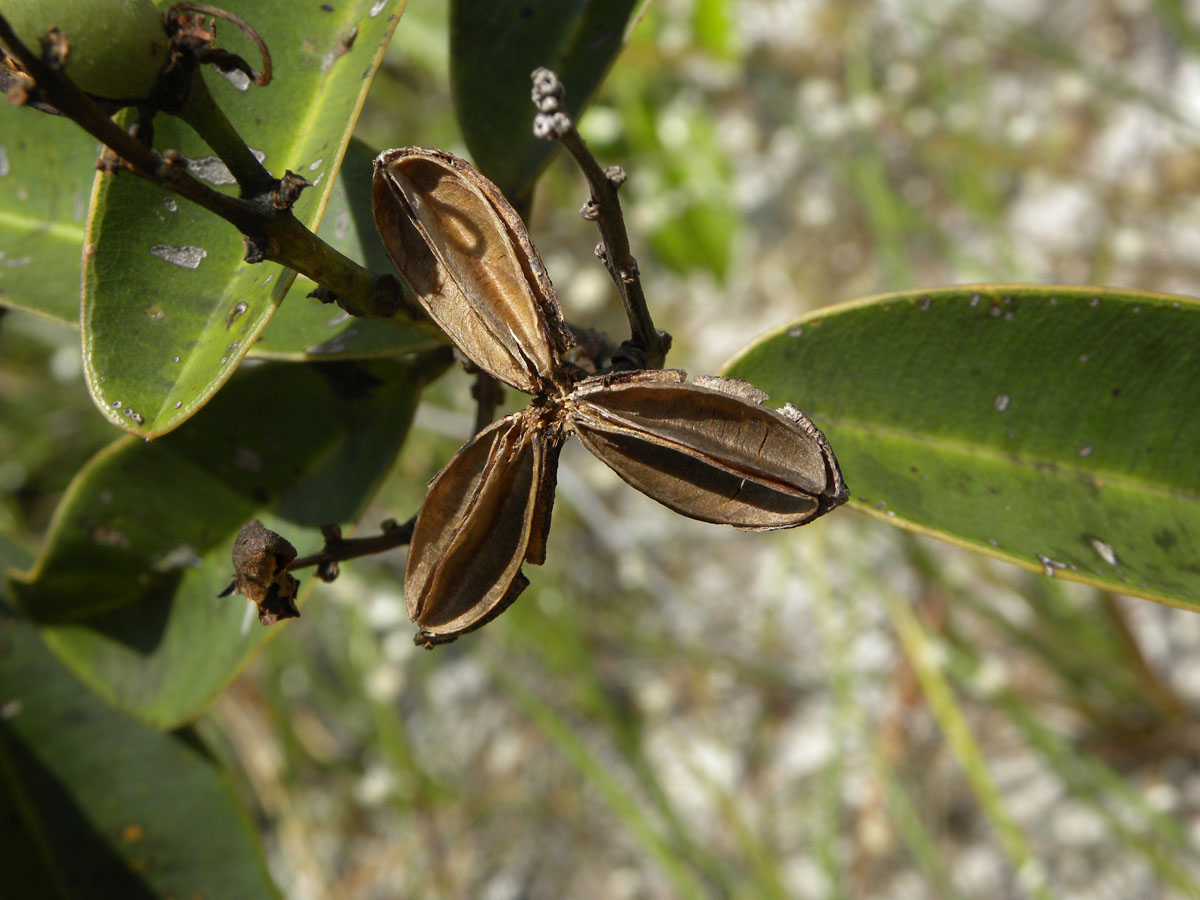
(708, 450)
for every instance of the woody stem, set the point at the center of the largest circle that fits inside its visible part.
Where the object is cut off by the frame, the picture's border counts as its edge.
(648, 346)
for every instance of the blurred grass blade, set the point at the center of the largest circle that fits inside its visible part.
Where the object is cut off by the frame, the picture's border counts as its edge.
(1158, 838)
(169, 307)
(91, 800)
(921, 654)
(495, 45)
(905, 816)
(125, 586)
(47, 165)
(623, 804)
(1048, 426)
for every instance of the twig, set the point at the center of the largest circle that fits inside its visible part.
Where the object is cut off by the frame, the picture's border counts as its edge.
(263, 78)
(337, 548)
(648, 346)
(265, 218)
(487, 393)
(201, 112)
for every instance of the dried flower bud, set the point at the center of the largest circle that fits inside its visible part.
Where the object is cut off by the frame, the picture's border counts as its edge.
(468, 257)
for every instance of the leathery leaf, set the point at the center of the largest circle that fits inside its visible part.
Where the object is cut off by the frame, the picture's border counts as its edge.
(496, 44)
(125, 588)
(169, 306)
(1053, 427)
(92, 799)
(47, 165)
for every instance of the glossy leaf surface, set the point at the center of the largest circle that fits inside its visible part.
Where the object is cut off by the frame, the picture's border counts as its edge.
(466, 254)
(706, 453)
(47, 166)
(496, 44)
(125, 587)
(170, 308)
(96, 805)
(484, 512)
(1052, 427)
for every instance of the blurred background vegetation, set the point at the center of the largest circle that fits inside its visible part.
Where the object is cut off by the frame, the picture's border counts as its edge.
(680, 710)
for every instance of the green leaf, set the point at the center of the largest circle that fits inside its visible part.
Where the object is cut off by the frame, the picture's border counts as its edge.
(169, 307)
(13, 555)
(300, 330)
(306, 329)
(494, 47)
(125, 586)
(96, 805)
(1051, 427)
(47, 166)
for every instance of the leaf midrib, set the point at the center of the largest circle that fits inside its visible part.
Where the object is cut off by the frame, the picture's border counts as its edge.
(25, 224)
(1111, 476)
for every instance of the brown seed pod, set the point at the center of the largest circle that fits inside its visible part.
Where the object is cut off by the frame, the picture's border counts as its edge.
(487, 512)
(708, 450)
(468, 257)
(708, 454)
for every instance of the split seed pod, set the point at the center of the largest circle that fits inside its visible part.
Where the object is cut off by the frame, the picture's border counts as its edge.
(708, 453)
(708, 450)
(468, 257)
(487, 512)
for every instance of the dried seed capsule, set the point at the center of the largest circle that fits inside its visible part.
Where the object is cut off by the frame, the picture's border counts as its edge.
(708, 454)
(260, 561)
(468, 257)
(486, 513)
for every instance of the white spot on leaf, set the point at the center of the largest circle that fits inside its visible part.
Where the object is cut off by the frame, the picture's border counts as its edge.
(211, 169)
(237, 78)
(187, 257)
(1001, 402)
(1105, 550)
(1050, 566)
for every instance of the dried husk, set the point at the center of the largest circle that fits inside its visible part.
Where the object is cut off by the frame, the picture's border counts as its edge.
(468, 257)
(260, 563)
(708, 454)
(486, 513)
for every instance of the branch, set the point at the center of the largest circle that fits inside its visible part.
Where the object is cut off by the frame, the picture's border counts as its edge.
(264, 217)
(647, 348)
(337, 549)
(488, 394)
